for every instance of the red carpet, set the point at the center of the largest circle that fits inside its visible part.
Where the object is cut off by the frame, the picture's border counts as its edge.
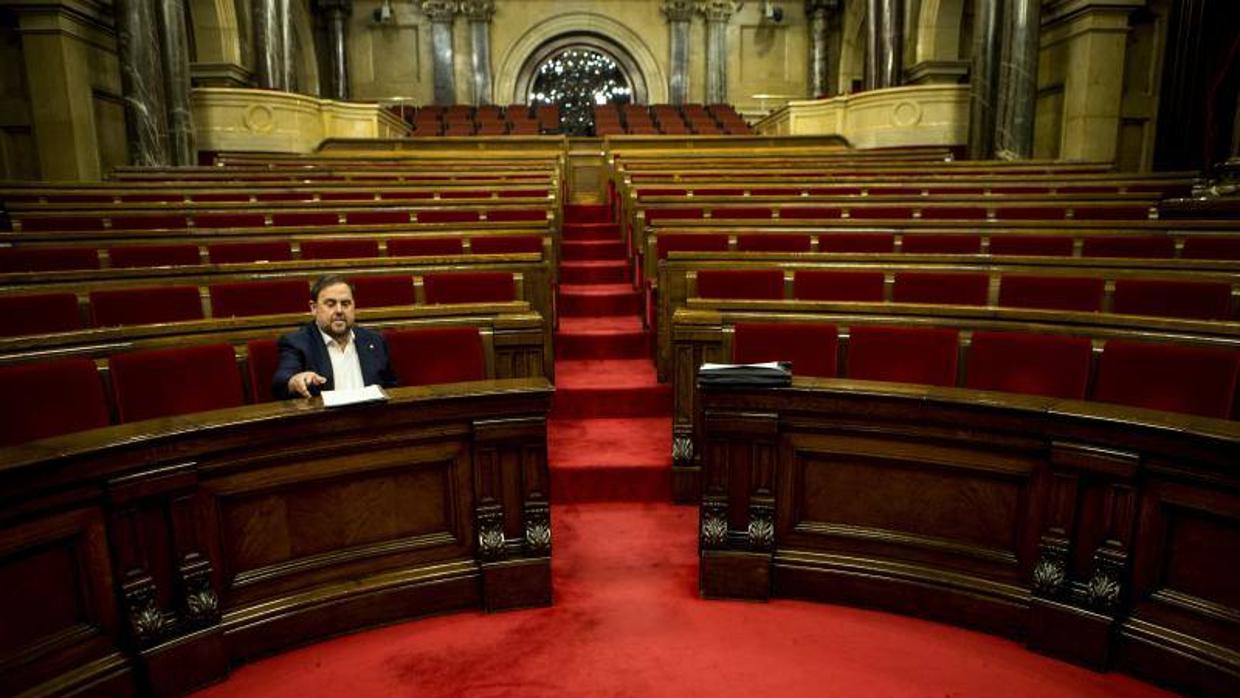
(627, 620)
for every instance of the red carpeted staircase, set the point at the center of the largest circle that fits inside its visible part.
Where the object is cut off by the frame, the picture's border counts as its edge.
(609, 437)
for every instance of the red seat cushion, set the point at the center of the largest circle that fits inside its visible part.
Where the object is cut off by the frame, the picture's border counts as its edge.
(228, 220)
(377, 217)
(509, 215)
(439, 355)
(942, 244)
(662, 214)
(691, 243)
(14, 259)
(145, 306)
(154, 221)
(1143, 246)
(263, 358)
(56, 397)
(154, 255)
(1200, 300)
(425, 247)
(1172, 377)
(810, 347)
(773, 242)
(933, 287)
(246, 298)
(166, 382)
(862, 286)
(879, 243)
(754, 284)
(903, 354)
(506, 244)
(249, 252)
(41, 313)
(469, 287)
(447, 216)
(1051, 292)
(1211, 247)
(1033, 364)
(339, 249)
(383, 291)
(305, 218)
(1031, 245)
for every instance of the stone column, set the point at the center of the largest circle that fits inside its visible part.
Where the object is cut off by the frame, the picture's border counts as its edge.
(984, 78)
(1018, 80)
(142, 80)
(818, 13)
(873, 43)
(336, 12)
(717, 13)
(479, 13)
(678, 13)
(176, 73)
(891, 60)
(269, 47)
(441, 13)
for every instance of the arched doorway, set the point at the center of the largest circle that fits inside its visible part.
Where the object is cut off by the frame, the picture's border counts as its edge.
(577, 72)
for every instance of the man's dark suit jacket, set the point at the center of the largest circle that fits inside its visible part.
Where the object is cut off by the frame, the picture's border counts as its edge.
(304, 350)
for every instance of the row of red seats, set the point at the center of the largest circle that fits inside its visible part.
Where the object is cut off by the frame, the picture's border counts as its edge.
(187, 196)
(465, 120)
(862, 208)
(668, 119)
(1135, 246)
(1172, 377)
(45, 313)
(1200, 300)
(27, 259)
(65, 396)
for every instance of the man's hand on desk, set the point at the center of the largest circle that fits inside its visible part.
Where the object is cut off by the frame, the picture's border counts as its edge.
(300, 383)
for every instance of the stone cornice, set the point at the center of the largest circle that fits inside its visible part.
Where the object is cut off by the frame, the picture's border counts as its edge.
(439, 10)
(719, 10)
(478, 10)
(94, 12)
(679, 10)
(1055, 11)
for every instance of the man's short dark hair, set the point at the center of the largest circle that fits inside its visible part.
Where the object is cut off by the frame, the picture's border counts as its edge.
(325, 281)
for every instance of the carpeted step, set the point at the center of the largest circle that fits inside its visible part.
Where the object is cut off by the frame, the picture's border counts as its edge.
(590, 231)
(587, 213)
(613, 460)
(605, 271)
(576, 250)
(609, 388)
(606, 337)
(598, 299)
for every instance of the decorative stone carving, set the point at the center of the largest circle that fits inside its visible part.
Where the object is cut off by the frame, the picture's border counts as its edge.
(202, 606)
(537, 528)
(713, 524)
(719, 10)
(478, 10)
(146, 621)
(679, 10)
(439, 10)
(761, 527)
(491, 534)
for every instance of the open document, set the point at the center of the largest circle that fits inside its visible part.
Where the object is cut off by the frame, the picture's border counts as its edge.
(340, 398)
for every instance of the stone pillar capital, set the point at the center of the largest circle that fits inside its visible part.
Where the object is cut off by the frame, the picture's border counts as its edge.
(478, 10)
(439, 10)
(719, 10)
(679, 10)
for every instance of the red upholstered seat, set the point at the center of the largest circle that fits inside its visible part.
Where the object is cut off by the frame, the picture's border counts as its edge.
(1200, 300)
(881, 212)
(228, 220)
(165, 382)
(249, 252)
(811, 212)
(305, 218)
(1031, 245)
(507, 244)
(903, 354)
(154, 255)
(942, 244)
(383, 291)
(55, 397)
(1140, 246)
(953, 213)
(447, 216)
(151, 222)
(754, 284)
(41, 313)
(508, 215)
(741, 212)
(1172, 377)
(662, 214)
(263, 358)
(439, 355)
(879, 243)
(469, 287)
(378, 217)
(246, 298)
(339, 249)
(15, 259)
(66, 223)
(424, 247)
(1211, 247)
(810, 347)
(934, 287)
(145, 306)
(773, 242)
(862, 286)
(1051, 292)
(1033, 364)
(691, 243)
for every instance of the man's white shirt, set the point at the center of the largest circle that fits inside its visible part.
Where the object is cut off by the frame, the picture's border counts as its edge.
(346, 367)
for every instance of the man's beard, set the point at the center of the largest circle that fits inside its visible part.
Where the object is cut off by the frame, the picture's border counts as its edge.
(338, 336)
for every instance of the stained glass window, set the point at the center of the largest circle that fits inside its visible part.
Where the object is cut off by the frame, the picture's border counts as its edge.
(577, 79)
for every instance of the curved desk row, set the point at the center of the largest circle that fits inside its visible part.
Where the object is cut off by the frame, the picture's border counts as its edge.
(1101, 534)
(149, 557)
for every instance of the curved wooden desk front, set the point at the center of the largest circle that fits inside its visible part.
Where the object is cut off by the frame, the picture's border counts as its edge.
(1105, 535)
(150, 557)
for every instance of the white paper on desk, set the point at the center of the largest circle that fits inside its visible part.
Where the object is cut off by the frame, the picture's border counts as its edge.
(340, 398)
(773, 365)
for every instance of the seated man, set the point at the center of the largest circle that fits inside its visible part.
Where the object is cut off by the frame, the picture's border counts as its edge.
(329, 353)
